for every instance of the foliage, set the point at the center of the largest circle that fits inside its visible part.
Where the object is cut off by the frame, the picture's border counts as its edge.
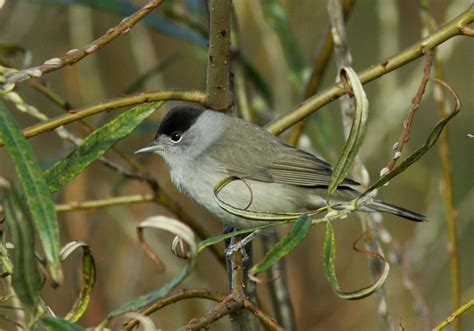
(31, 209)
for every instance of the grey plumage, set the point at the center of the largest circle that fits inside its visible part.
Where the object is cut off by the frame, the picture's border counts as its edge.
(281, 178)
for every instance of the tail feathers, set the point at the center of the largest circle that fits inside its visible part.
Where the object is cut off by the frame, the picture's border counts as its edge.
(385, 207)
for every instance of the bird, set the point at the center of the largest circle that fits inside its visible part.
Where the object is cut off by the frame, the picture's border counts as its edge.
(202, 147)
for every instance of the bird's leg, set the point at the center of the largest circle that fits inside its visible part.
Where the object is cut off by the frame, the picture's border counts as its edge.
(241, 245)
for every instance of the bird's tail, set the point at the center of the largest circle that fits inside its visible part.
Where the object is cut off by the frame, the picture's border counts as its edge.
(384, 207)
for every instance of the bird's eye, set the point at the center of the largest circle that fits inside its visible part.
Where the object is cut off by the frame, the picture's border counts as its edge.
(176, 137)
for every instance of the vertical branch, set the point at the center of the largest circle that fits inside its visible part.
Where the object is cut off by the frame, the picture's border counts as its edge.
(241, 288)
(344, 59)
(218, 74)
(429, 25)
(219, 97)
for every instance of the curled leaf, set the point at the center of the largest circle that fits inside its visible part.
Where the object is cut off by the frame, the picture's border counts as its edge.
(88, 277)
(357, 133)
(329, 250)
(253, 215)
(178, 228)
(171, 225)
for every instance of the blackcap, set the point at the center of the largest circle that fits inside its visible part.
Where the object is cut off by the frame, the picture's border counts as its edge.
(201, 147)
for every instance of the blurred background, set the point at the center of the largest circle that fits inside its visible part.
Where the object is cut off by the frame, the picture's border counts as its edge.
(168, 51)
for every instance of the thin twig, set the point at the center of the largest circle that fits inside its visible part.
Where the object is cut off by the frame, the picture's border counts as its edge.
(102, 203)
(191, 96)
(75, 55)
(454, 316)
(266, 319)
(415, 105)
(225, 307)
(312, 104)
(173, 298)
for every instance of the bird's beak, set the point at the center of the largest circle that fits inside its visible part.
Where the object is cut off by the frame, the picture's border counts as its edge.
(153, 147)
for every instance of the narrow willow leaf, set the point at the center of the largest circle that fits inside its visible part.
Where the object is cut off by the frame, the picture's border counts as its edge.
(299, 231)
(26, 278)
(276, 16)
(179, 229)
(357, 133)
(96, 144)
(38, 197)
(126, 8)
(217, 239)
(329, 252)
(88, 278)
(430, 141)
(57, 324)
(253, 215)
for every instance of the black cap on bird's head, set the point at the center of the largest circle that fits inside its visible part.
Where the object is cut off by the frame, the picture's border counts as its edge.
(176, 121)
(179, 119)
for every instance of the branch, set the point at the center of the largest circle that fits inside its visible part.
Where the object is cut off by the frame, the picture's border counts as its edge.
(192, 96)
(415, 105)
(227, 306)
(223, 308)
(241, 287)
(75, 55)
(102, 203)
(454, 316)
(173, 298)
(452, 28)
(219, 55)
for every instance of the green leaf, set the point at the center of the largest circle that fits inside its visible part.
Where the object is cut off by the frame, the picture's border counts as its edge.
(276, 16)
(26, 278)
(126, 8)
(357, 133)
(57, 324)
(430, 141)
(96, 144)
(38, 197)
(217, 239)
(299, 231)
(88, 277)
(178, 228)
(329, 254)
(253, 215)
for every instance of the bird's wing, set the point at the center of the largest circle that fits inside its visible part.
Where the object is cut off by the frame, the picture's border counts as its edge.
(282, 164)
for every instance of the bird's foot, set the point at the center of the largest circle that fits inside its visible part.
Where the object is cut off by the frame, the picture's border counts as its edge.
(240, 246)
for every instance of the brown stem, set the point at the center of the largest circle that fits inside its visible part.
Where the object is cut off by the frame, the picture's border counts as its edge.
(219, 92)
(75, 55)
(173, 298)
(415, 105)
(227, 306)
